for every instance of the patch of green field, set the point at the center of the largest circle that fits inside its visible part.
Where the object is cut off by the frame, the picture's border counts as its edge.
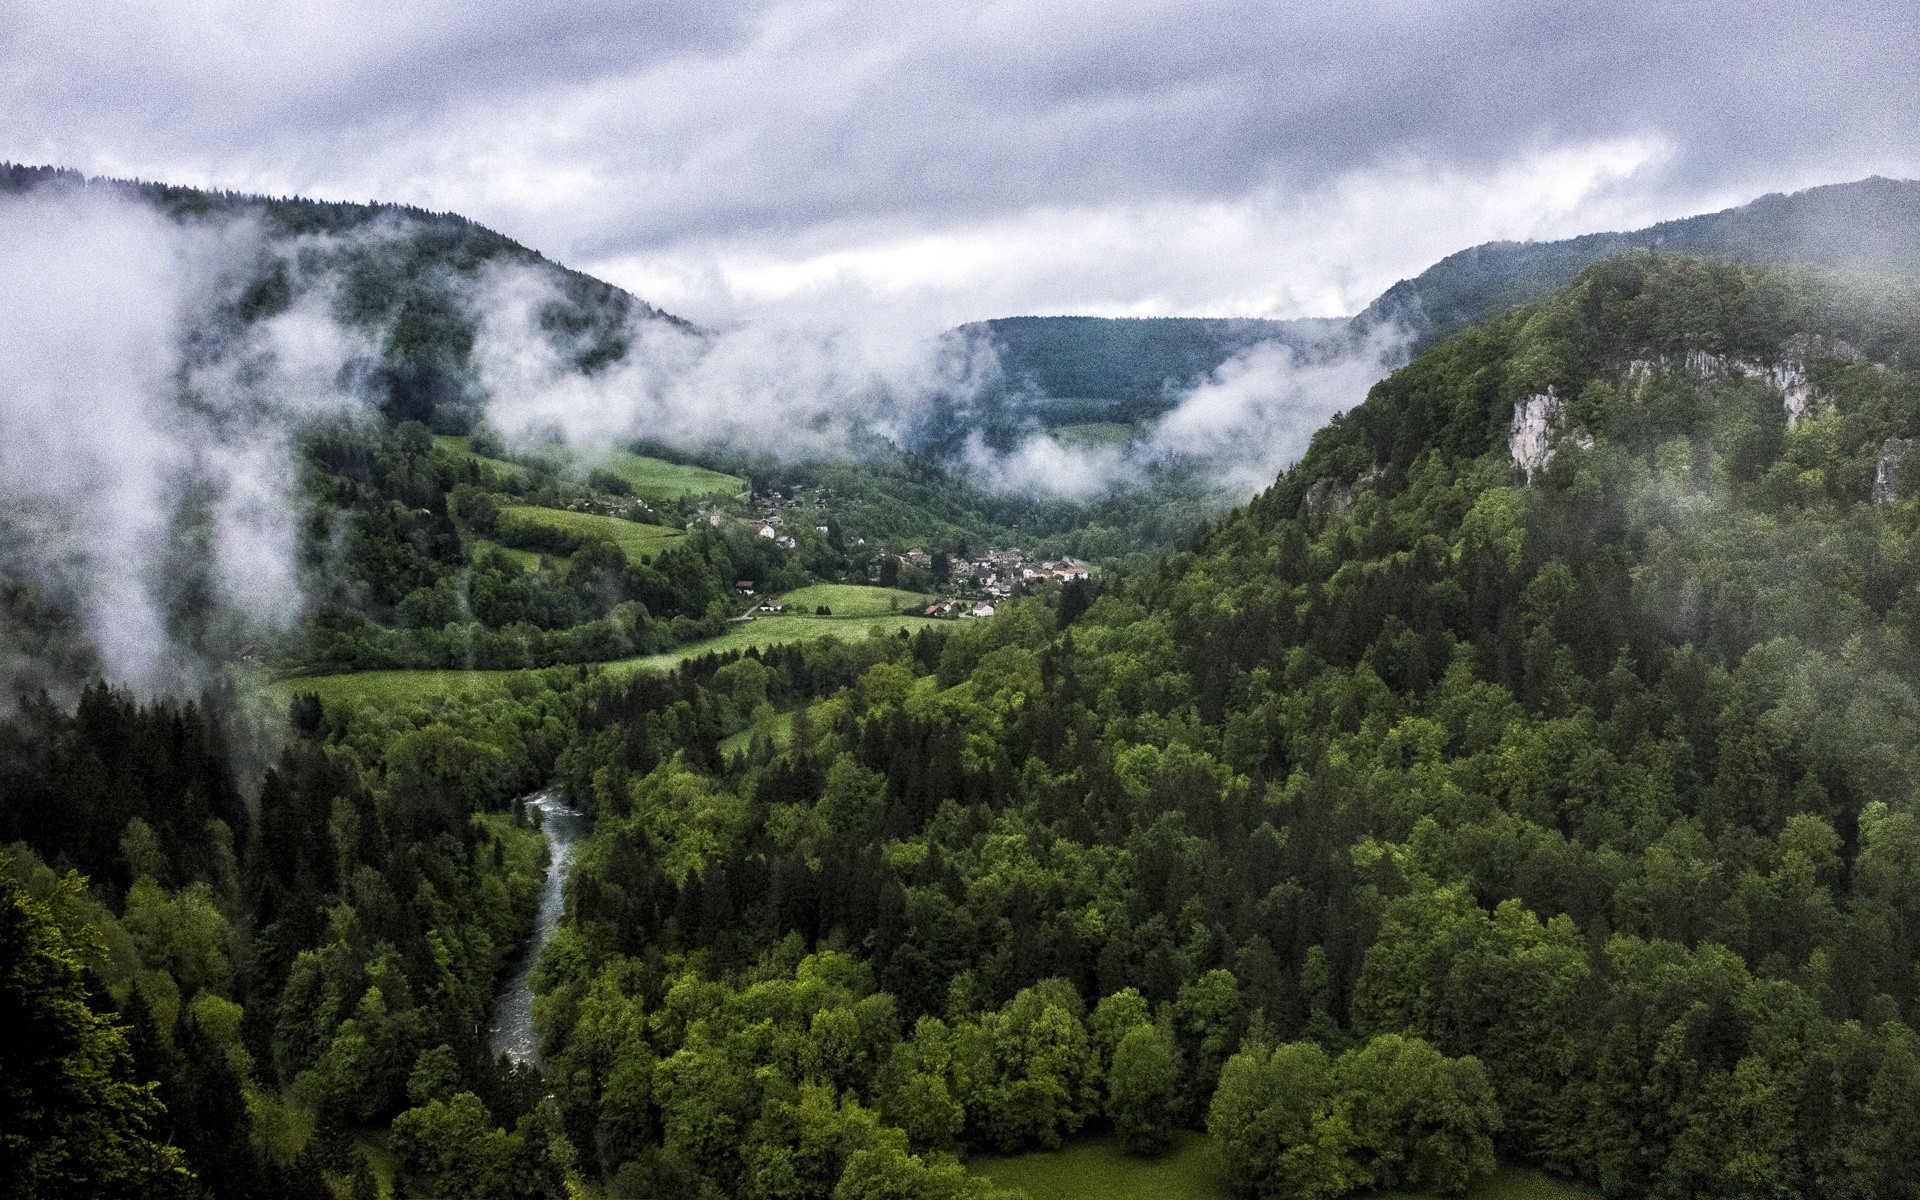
(1095, 434)
(1510, 1183)
(1098, 1169)
(854, 600)
(394, 688)
(762, 632)
(403, 688)
(460, 447)
(638, 542)
(655, 477)
(526, 558)
(780, 730)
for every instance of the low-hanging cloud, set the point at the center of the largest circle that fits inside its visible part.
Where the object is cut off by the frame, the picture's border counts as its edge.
(146, 464)
(1241, 426)
(789, 389)
(796, 390)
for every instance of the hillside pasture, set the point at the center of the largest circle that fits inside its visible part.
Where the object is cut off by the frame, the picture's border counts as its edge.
(656, 478)
(1097, 1168)
(459, 447)
(528, 559)
(402, 688)
(762, 632)
(395, 689)
(637, 541)
(849, 600)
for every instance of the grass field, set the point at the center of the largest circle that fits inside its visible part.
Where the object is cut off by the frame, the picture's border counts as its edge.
(461, 447)
(394, 687)
(781, 732)
(770, 631)
(1095, 434)
(638, 542)
(526, 558)
(1098, 1169)
(852, 600)
(416, 687)
(657, 478)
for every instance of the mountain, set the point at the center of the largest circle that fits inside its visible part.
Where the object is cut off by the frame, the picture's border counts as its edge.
(1469, 789)
(1080, 369)
(1072, 370)
(403, 273)
(1868, 227)
(1530, 771)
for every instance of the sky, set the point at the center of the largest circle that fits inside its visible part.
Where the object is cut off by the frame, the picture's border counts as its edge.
(927, 164)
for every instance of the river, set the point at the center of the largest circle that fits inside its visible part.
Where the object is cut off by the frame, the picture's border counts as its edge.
(512, 1030)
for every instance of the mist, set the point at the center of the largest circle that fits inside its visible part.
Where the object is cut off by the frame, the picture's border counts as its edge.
(149, 468)
(800, 389)
(791, 388)
(147, 472)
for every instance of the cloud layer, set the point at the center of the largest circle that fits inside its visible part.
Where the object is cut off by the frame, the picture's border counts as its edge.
(977, 160)
(146, 468)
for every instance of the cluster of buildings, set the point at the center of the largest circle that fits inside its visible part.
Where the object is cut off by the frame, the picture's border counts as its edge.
(998, 572)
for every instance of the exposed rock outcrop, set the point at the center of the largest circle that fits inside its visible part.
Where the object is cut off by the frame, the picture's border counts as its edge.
(1331, 497)
(1889, 475)
(1539, 426)
(1788, 371)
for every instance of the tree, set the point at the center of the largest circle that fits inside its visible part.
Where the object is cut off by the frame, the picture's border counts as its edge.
(1143, 1088)
(73, 1122)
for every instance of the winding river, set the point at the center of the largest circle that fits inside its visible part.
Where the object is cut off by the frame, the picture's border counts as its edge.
(512, 1030)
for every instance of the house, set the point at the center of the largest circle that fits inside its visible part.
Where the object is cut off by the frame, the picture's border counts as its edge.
(743, 586)
(765, 530)
(785, 543)
(982, 609)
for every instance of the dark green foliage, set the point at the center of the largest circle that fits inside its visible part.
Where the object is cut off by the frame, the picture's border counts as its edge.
(73, 1119)
(1561, 815)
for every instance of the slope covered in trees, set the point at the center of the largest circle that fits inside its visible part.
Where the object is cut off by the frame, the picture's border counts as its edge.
(1421, 811)
(1529, 772)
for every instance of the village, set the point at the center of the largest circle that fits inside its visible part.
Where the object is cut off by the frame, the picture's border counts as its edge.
(965, 585)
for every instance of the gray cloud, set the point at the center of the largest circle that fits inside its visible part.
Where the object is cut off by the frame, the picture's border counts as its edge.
(146, 461)
(702, 148)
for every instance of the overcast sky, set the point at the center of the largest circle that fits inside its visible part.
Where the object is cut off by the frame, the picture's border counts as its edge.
(950, 161)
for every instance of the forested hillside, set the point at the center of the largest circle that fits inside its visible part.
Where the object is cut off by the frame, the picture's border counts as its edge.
(1527, 774)
(1423, 811)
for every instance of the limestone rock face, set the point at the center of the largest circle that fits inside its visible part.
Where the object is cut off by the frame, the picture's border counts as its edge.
(1539, 426)
(1332, 497)
(1788, 371)
(1889, 476)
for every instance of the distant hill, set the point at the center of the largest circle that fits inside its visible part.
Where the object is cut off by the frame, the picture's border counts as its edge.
(395, 268)
(1129, 358)
(1871, 227)
(1078, 369)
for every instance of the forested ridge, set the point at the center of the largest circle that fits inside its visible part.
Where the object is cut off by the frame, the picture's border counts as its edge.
(1428, 809)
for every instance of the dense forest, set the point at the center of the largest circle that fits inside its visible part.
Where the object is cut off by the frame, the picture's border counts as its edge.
(1527, 774)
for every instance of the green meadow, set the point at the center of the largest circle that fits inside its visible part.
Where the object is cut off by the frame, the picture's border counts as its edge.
(1095, 434)
(780, 729)
(460, 447)
(638, 542)
(413, 687)
(853, 600)
(395, 688)
(762, 632)
(658, 479)
(526, 558)
(1098, 1169)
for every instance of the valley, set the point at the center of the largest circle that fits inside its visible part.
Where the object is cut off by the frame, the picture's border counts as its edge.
(1513, 796)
